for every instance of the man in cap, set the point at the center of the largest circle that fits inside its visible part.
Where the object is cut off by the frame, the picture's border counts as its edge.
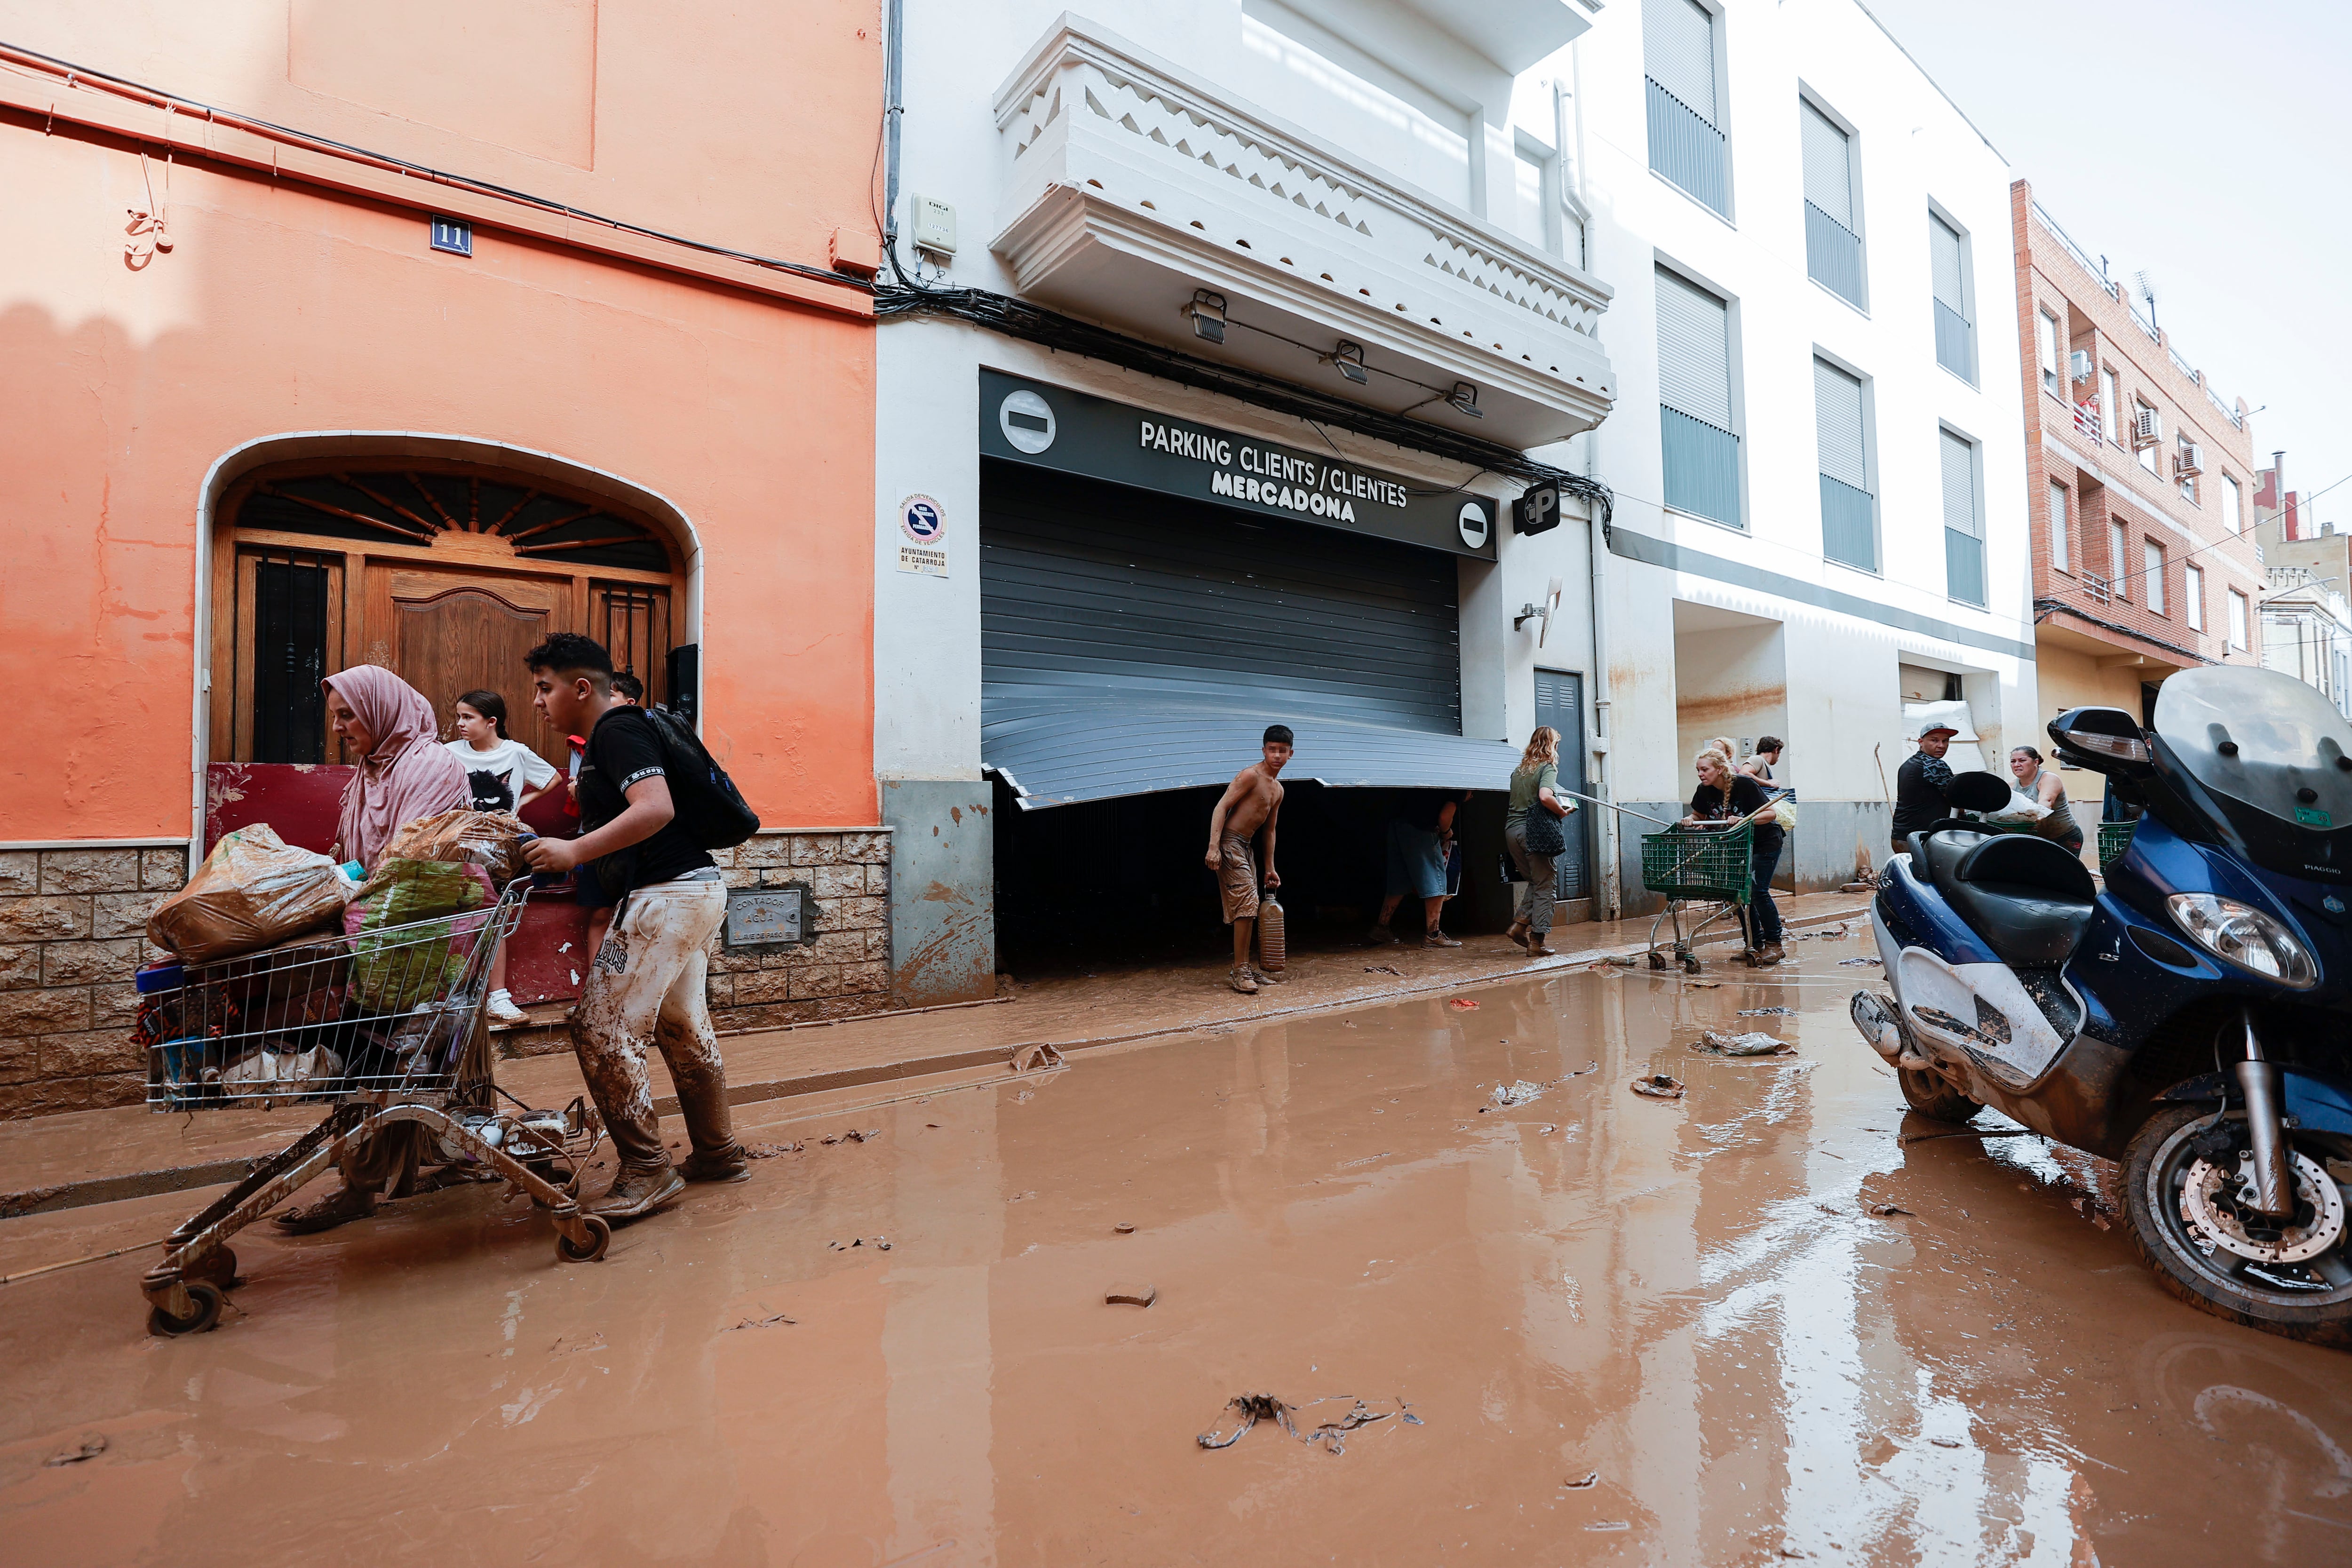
(1920, 783)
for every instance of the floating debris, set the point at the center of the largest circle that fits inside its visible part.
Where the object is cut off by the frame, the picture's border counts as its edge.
(1658, 1086)
(1461, 1005)
(1252, 1408)
(1037, 1058)
(768, 1151)
(92, 1445)
(1130, 1293)
(1753, 1044)
(852, 1136)
(1384, 969)
(1873, 963)
(1888, 1211)
(1125, 1227)
(1508, 1095)
(1591, 1481)
(1769, 1013)
(762, 1323)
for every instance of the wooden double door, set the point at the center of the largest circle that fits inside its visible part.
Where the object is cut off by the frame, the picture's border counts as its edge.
(448, 579)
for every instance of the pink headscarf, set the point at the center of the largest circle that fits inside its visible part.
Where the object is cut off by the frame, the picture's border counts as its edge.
(409, 774)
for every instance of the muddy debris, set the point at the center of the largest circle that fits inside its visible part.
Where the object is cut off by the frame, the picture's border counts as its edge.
(1249, 1409)
(1384, 969)
(92, 1445)
(1508, 1095)
(1462, 1004)
(879, 1244)
(573, 1344)
(1131, 1293)
(1658, 1086)
(1873, 963)
(1752, 1043)
(1125, 1227)
(768, 1151)
(1593, 1479)
(1037, 1058)
(762, 1323)
(1888, 1211)
(852, 1136)
(1769, 1013)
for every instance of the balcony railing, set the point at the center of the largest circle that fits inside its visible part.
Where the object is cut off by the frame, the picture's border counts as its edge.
(1685, 149)
(1847, 531)
(2096, 589)
(1833, 255)
(2081, 257)
(1964, 575)
(1702, 466)
(1956, 343)
(2214, 398)
(2086, 423)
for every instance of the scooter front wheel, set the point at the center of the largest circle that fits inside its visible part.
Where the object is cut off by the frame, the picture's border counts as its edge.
(2192, 1223)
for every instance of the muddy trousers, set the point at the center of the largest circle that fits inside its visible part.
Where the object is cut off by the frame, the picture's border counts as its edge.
(1534, 902)
(646, 990)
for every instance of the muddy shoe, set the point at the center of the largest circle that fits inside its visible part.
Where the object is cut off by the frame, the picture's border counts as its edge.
(1439, 939)
(729, 1164)
(1243, 983)
(1517, 932)
(1378, 936)
(1535, 948)
(1269, 976)
(639, 1189)
(1768, 955)
(339, 1208)
(504, 1013)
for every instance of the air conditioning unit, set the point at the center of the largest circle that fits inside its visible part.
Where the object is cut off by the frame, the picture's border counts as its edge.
(2080, 363)
(2190, 462)
(2147, 427)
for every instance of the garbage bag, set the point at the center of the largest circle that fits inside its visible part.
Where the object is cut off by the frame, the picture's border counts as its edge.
(412, 928)
(253, 890)
(490, 839)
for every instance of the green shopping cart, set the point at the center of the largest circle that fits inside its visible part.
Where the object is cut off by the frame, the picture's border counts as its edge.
(1694, 865)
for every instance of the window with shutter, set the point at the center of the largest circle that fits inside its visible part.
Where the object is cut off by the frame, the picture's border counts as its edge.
(2058, 527)
(1701, 453)
(2153, 574)
(1848, 530)
(1833, 237)
(1685, 122)
(1947, 268)
(1963, 531)
(2192, 596)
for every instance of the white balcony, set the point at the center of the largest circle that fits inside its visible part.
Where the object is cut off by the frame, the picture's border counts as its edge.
(1132, 186)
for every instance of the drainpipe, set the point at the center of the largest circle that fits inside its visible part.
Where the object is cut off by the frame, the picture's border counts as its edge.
(1596, 555)
(894, 32)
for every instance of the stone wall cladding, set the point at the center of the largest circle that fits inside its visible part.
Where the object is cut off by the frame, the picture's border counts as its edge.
(845, 972)
(73, 927)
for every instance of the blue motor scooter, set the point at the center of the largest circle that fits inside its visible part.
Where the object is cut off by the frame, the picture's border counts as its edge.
(2193, 1018)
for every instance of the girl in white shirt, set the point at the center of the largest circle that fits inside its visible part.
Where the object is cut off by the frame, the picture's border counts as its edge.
(504, 774)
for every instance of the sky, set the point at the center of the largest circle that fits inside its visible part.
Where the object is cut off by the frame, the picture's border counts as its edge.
(2208, 145)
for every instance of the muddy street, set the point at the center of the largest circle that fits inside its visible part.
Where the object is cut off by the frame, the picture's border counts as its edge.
(1590, 1327)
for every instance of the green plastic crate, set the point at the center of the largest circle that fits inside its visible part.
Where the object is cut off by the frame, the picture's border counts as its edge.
(1697, 863)
(2114, 838)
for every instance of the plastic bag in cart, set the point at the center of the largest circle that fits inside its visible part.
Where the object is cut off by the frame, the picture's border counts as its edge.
(490, 839)
(252, 890)
(403, 952)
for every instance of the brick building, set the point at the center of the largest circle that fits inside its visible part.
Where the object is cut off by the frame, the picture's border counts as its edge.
(2141, 483)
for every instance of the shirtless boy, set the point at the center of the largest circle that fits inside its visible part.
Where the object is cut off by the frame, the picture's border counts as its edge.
(1254, 800)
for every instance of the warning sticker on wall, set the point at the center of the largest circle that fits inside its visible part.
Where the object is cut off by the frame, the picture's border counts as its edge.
(925, 524)
(918, 559)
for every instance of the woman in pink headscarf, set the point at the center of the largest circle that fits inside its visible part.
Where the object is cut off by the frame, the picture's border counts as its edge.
(405, 774)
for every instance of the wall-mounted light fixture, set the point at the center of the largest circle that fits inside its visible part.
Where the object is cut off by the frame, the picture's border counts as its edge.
(1348, 359)
(1464, 399)
(1208, 313)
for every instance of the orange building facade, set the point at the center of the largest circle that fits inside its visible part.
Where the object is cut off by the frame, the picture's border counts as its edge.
(408, 335)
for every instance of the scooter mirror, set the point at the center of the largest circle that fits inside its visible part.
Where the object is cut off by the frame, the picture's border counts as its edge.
(2107, 739)
(1978, 792)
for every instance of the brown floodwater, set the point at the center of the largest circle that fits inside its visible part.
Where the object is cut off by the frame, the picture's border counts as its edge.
(1688, 1302)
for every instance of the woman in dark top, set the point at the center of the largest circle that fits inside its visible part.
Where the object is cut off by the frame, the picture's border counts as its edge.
(1724, 796)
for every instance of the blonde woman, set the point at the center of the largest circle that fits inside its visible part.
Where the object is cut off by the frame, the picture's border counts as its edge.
(1724, 796)
(1532, 790)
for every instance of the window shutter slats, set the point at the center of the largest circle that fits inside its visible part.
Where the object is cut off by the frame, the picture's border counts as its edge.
(1837, 417)
(1944, 260)
(1829, 173)
(1678, 52)
(1959, 486)
(1694, 352)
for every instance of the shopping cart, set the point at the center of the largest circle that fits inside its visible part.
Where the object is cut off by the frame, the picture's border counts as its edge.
(1692, 863)
(2114, 838)
(386, 1027)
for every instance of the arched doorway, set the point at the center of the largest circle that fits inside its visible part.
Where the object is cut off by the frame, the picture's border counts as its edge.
(444, 571)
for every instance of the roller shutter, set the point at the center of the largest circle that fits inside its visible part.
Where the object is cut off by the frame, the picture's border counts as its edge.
(1678, 52)
(1694, 351)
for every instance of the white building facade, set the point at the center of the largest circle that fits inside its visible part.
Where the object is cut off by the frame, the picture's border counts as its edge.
(1817, 452)
(1218, 317)
(2307, 632)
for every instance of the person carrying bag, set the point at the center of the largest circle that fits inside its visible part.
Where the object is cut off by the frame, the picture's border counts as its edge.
(1534, 838)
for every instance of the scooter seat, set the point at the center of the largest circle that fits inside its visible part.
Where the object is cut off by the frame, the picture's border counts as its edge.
(2027, 897)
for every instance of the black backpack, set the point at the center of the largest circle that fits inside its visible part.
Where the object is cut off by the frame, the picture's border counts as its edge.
(710, 808)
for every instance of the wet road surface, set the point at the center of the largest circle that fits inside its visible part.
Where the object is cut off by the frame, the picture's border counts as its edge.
(1689, 1301)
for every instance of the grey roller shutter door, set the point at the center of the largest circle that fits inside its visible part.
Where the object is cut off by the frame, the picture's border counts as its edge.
(1560, 702)
(1829, 173)
(1694, 351)
(1837, 419)
(1944, 263)
(1090, 592)
(1678, 52)
(1959, 486)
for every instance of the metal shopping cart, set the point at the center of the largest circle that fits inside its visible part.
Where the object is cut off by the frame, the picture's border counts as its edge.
(1692, 863)
(386, 1027)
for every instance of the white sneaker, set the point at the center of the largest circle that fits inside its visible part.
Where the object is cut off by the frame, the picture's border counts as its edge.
(504, 1013)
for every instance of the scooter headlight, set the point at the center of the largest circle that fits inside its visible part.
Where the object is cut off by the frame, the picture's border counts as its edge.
(2245, 936)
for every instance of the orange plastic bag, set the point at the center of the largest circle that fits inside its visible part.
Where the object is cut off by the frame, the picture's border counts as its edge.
(253, 890)
(490, 839)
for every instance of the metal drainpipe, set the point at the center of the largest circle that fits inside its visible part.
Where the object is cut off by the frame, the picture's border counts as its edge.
(893, 111)
(1612, 898)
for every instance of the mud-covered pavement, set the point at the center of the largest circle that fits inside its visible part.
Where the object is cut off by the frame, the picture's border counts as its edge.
(1689, 1301)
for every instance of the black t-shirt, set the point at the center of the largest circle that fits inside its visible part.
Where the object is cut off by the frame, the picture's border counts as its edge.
(623, 750)
(1747, 795)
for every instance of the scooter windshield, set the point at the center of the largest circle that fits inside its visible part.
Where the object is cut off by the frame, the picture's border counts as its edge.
(2262, 739)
